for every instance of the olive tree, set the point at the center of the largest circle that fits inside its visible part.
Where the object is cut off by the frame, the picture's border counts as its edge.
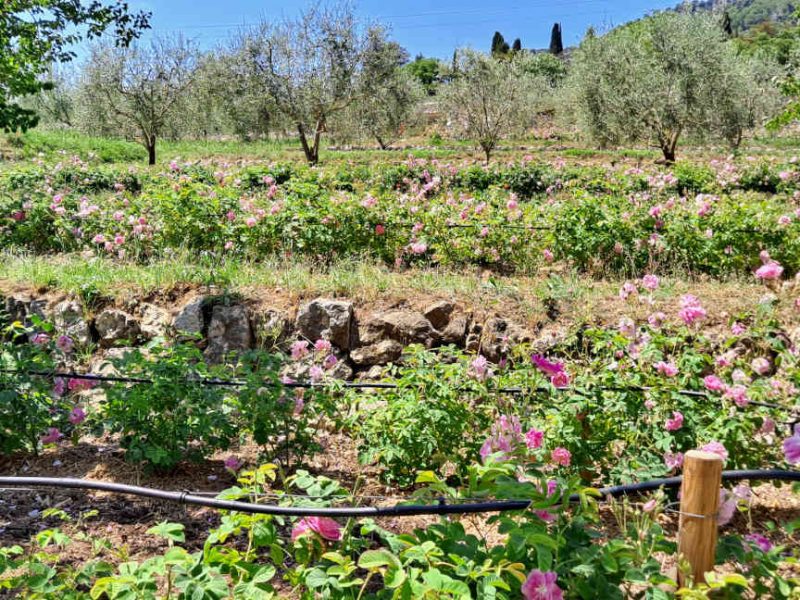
(389, 95)
(656, 80)
(312, 67)
(752, 99)
(138, 89)
(246, 108)
(490, 99)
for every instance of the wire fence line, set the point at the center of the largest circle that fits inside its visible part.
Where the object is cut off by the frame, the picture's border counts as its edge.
(398, 510)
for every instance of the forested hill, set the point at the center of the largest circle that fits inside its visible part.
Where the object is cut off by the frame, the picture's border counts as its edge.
(745, 14)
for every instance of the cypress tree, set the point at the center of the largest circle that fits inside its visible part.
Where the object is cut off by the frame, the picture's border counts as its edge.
(516, 46)
(499, 44)
(556, 43)
(726, 24)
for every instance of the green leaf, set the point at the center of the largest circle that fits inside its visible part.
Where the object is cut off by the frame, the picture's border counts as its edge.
(174, 532)
(375, 559)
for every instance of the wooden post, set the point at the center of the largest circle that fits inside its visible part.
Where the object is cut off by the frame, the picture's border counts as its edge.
(697, 534)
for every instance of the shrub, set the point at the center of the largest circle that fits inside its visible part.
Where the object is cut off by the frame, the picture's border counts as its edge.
(171, 417)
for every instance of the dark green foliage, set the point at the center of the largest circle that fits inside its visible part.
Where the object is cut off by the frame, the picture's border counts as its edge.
(694, 179)
(745, 14)
(556, 41)
(499, 45)
(35, 33)
(726, 25)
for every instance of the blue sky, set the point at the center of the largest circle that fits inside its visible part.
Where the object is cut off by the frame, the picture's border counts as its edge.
(430, 28)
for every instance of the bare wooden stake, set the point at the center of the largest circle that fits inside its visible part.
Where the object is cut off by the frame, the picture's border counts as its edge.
(697, 534)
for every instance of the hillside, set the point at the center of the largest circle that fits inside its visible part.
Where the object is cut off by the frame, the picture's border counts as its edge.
(748, 13)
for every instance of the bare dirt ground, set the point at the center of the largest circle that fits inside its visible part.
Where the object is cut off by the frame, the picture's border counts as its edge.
(124, 520)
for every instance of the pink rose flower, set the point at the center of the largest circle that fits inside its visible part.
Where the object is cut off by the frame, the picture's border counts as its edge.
(560, 380)
(561, 456)
(479, 368)
(716, 448)
(52, 436)
(299, 349)
(770, 271)
(666, 368)
(713, 383)
(650, 282)
(77, 416)
(691, 311)
(674, 423)
(534, 439)
(759, 541)
(541, 585)
(322, 346)
(64, 343)
(232, 464)
(325, 527)
(737, 393)
(791, 448)
(656, 320)
(673, 460)
(40, 339)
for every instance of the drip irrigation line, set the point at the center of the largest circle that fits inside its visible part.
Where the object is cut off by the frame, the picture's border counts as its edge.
(400, 510)
(373, 386)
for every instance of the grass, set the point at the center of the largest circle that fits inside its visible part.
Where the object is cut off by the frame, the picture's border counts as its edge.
(579, 297)
(71, 143)
(55, 145)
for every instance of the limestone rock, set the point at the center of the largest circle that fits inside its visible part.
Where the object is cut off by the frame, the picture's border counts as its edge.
(228, 331)
(439, 313)
(154, 321)
(380, 353)
(456, 330)
(104, 366)
(404, 326)
(114, 326)
(69, 320)
(271, 328)
(499, 336)
(326, 319)
(549, 338)
(189, 319)
(22, 307)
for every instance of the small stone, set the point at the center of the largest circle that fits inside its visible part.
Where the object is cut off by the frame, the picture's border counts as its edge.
(499, 336)
(271, 328)
(68, 317)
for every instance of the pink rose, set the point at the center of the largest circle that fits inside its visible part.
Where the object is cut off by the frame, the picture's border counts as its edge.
(561, 456)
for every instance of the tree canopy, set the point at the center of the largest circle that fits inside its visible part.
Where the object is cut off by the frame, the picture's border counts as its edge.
(36, 33)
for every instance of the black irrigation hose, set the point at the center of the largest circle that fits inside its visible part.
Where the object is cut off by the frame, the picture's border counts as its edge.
(368, 385)
(369, 511)
(514, 391)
